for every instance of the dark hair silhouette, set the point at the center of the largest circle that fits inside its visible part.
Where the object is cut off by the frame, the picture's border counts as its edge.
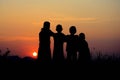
(46, 25)
(44, 52)
(83, 49)
(59, 28)
(72, 45)
(72, 30)
(59, 38)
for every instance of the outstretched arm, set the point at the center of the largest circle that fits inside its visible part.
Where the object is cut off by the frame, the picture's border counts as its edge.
(51, 33)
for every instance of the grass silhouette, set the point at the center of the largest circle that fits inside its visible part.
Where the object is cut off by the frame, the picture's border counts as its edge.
(100, 59)
(102, 63)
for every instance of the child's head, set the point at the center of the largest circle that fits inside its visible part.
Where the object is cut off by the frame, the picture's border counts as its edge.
(82, 36)
(46, 25)
(59, 28)
(72, 30)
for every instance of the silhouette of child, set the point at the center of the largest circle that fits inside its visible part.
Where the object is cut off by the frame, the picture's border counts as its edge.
(59, 39)
(72, 45)
(83, 49)
(44, 52)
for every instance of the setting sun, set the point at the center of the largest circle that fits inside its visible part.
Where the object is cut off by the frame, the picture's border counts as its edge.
(34, 54)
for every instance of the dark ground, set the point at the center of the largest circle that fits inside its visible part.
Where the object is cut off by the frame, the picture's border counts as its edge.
(14, 66)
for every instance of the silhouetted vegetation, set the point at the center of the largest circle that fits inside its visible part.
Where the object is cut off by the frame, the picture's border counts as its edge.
(100, 59)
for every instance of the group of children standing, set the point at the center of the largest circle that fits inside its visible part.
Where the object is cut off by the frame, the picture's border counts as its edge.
(74, 44)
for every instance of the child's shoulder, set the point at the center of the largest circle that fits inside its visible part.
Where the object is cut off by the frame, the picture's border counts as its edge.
(67, 35)
(63, 34)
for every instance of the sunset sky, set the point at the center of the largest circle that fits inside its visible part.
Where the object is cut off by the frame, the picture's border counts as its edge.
(22, 20)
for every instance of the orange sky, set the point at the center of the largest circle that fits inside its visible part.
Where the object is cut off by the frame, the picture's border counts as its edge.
(21, 21)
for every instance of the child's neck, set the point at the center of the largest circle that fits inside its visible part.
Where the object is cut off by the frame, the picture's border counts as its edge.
(72, 34)
(58, 32)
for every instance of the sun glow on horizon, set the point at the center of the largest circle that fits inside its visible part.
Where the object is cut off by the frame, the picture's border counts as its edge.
(35, 54)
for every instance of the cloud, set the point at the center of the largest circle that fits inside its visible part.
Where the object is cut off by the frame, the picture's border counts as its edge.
(36, 23)
(21, 38)
(75, 19)
(65, 19)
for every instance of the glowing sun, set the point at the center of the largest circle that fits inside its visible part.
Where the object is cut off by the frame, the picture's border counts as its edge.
(34, 54)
